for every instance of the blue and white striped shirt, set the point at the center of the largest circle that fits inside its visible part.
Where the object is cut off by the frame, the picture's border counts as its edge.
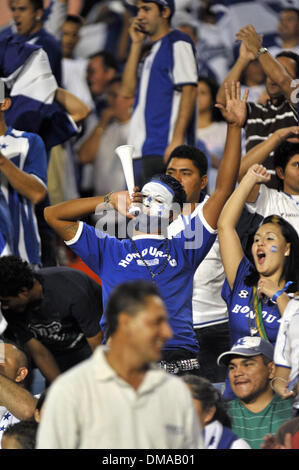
(27, 152)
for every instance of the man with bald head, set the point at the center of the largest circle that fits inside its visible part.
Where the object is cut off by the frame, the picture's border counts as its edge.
(16, 403)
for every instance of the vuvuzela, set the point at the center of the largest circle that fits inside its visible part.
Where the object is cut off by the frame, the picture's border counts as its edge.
(125, 154)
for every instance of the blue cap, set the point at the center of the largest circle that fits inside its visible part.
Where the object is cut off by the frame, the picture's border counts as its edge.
(248, 346)
(165, 3)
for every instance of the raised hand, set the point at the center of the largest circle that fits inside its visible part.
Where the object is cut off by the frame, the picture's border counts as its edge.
(251, 40)
(234, 111)
(291, 134)
(136, 33)
(259, 173)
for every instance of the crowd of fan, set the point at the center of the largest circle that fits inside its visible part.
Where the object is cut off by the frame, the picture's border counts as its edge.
(214, 108)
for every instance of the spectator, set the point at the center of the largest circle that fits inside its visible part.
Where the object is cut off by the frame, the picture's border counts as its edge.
(286, 353)
(258, 284)
(148, 255)
(279, 111)
(256, 411)
(288, 32)
(74, 70)
(283, 202)
(161, 415)
(28, 18)
(23, 170)
(165, 91)
(21, 435)
(211, 127)
(16, 402)
(54, 313)
(110, 132)
(212, 414)
(210, 317)
(101, 68)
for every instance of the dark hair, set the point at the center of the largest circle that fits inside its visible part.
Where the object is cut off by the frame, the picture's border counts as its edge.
(15, 274)
(127, 297)
(109, 60)
(291, 426)
(37, 4)
(283, 154)
(204, 391)
(293, 9)
(214, 87)
(24, 432)
(290, 269)
(179, 192)
(77, 19)
(191, 153)
(291, 55)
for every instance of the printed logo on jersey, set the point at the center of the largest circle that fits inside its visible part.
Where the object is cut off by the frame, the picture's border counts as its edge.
(243, 294)
(156, 257)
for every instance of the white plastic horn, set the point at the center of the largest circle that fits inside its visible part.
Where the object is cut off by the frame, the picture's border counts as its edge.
(125, 154)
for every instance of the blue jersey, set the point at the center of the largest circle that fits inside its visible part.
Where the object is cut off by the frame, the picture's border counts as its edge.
(240, 308)
(170, 65)
(27, 152)
(117, 261)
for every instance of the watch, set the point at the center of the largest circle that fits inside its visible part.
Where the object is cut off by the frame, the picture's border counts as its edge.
(261, 50)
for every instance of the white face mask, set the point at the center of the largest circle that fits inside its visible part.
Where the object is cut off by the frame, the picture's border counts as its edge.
(158, 198)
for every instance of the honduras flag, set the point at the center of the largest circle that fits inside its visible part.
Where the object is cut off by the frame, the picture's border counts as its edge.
(26, 71)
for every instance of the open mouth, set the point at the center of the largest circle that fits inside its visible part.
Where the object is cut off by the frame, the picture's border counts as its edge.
(261, 257)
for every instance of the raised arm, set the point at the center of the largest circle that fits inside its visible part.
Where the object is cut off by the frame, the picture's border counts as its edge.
(188, 100)
(63, 217)
(244, 58)
(87, 153)
(272, 67)
(27, 185)
(229, 167)
(261, 151)
(229, 242)
(19, 401)
(129, 80)
(76, 108)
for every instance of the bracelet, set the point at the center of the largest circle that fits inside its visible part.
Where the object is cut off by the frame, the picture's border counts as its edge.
(275, 378)
(107, 200)
(279, 292)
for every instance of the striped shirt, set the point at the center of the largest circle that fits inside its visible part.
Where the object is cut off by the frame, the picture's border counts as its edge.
(253, 427)
(169, 66)
(27, 152)
(263, 120)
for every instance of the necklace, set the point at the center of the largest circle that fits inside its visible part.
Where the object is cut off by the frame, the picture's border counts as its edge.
(147, 265)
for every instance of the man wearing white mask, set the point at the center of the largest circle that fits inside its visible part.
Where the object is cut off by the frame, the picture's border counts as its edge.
(147, 254)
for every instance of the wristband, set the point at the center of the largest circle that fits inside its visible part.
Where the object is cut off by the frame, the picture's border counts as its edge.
(262, 50)
(107, 200)
(279, 292)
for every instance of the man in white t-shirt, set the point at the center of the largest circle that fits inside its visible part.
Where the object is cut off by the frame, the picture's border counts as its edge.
(125, 401)
(210, 318)
(266, 201)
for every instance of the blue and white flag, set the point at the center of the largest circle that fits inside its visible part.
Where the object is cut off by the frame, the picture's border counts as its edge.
(26, 71)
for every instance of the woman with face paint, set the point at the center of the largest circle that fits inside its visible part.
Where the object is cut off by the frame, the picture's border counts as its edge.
(258, 286)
